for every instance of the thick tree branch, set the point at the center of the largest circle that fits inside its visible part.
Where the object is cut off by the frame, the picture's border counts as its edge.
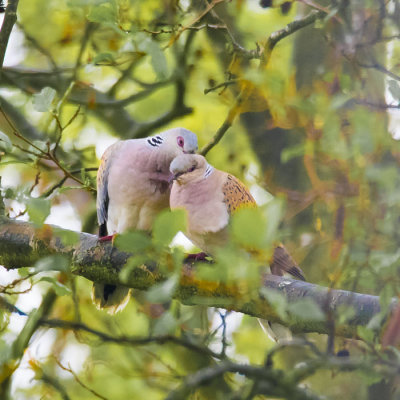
(22, 244)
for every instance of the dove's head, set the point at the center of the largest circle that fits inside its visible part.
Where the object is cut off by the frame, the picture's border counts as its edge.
(188, 168)
(179, 140)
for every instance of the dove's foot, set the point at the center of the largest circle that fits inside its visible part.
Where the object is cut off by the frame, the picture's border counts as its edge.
(108, 238)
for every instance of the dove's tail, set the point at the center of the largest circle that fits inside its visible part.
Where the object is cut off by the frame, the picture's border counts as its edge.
(110, 297)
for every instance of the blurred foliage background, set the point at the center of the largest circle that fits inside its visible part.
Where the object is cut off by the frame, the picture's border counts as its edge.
(309, 123)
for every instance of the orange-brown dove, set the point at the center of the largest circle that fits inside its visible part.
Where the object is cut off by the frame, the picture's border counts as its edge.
(132, 187)
(210, 197)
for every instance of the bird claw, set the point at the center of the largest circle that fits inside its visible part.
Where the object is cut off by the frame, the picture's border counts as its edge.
(108, 238)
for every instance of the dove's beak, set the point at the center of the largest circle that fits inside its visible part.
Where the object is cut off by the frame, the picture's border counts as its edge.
(171, 178)
(174, 177)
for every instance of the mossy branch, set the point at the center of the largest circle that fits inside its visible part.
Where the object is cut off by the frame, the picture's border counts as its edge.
(22, 244)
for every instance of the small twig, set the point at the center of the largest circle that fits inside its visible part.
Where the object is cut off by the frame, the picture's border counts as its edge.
(271, 381)
(79, 381)
(52, 381)
(62, 128)
(38, 46)
(84, 42)
(124, 75)
(18, 135)
(6, 305)
(63, 180)
(35, 183)
(224, 341)
(233, 112)
(380, 68)
(201, 15)
(288, 30)
(376, 105)
(49, 155)
(29, 151)
(221, 85)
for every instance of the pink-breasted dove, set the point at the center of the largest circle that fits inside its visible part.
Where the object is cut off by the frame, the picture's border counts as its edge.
(210, 197)
(132, 187)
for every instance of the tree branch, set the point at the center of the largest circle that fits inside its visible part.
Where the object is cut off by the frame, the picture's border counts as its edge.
(22, 244)
(6, 28)
(126, 340)
(289, 29)
(22, 341)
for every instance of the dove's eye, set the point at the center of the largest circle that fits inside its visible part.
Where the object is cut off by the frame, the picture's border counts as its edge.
(192, 169)
(180, 141)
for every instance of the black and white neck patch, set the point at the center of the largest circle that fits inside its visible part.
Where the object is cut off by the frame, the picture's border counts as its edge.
(155, 141)
(209, 171)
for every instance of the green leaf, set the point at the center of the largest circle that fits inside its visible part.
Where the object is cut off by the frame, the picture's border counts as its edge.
(394, 89)
(5, 142)
(365, 334)
(158, 60)
(306, 309)
(164, 291)
(103, 58)
(249, 227)
(38, 209)
(134, 242)
(52, 263)
(59, 288)
(277, 300)
(68, 238)
(165, 325)
(133, 262)
(289, 153)
(151, 47)
(376, 322)
(103, 14)
(345, 313)
(10, 193)
(167, 225)
(274, 211)
(24, 272)
(42, 101)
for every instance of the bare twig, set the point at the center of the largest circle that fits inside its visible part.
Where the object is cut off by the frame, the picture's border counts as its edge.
(94, 393)
(273, 382)
(61, 182)
(21, 342)
(221, 85)
(288, 30)
(126, 340)
(38, 46)
(49, 380)
(199, 17)
(232, 114)
(220, 133)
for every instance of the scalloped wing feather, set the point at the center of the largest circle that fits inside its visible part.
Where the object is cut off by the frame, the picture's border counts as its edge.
(236, 195)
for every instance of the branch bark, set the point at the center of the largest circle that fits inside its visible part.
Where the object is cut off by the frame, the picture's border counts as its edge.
(22, 244)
